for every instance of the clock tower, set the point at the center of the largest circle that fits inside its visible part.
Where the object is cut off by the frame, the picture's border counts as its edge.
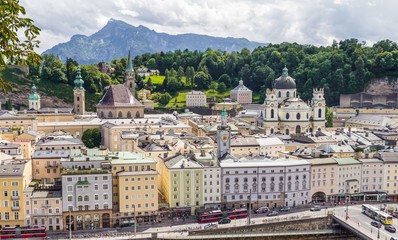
(223, 136)
(78, 93)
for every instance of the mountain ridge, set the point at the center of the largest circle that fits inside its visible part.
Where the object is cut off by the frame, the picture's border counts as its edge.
(116, 38)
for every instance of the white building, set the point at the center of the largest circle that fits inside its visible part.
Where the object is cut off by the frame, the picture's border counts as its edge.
(349, 176)
(270, 146)
(285, 112)
(212, 186)
(264, 182)
(34, 99)
(196, 99)
(372, 175)
(241, 94)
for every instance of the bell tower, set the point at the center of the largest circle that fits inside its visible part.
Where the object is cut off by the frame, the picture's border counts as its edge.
(223, 136)
(129, 77)
(34, 99)
(78, 94)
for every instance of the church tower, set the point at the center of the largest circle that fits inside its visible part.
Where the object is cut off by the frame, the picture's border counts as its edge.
(79, 94)
(318, 109)
(223, 136)
(129, 78)
(34, 99)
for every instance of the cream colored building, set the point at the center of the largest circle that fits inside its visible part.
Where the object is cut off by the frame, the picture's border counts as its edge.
(44, 208)
(46, 165)
(350, 175)
(270, 146)
(245, 146)
(390, 173)
(135, 187)
(324, 179)
(372, 175)
(15, 176)
(195, 99)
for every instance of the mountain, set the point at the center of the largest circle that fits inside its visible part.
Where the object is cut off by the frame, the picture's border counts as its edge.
(117, 38)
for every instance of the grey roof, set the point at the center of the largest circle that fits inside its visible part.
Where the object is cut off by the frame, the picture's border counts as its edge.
(285, 81)
(249, 141)
(14, 168)
(180, 162)
(387, 156)
(59, 142)
(118, 95)
(241, 87)
(51, 154)
(46, 194)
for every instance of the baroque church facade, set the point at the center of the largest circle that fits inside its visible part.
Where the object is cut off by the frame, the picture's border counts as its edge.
(119, 100)
(285, 112)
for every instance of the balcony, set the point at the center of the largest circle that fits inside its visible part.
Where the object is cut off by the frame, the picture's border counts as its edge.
(15, 208)
(15, 197)
(51, 165)
(46, 205)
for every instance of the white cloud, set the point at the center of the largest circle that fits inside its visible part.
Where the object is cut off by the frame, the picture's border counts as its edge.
(316, 22)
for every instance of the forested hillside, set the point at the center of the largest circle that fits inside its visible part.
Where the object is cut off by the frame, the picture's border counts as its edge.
(344, 67)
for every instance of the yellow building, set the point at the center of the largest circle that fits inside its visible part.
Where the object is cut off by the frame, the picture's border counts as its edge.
(15, 175)
(181, 184)
(135, 187)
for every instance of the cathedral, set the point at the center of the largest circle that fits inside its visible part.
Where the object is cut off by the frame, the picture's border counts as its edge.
(285, 112)
(119, 100)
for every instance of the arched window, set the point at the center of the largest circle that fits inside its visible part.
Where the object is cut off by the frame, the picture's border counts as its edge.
(78, 98)
(263, 187)
(280, 186)
(272, 187)
(245, 179)
(272, 131)
(289, 186)
(287, 131)
(227, 180)
(319, 113)
(102, 115)
(128, 114)
(287, 115)
(298, 116)
(110, 115)
(120, 115)
(79, 198)
(131, 85)
(272, 113)
(279, 94)
(297, 185)
(137, 114)
(288, 94)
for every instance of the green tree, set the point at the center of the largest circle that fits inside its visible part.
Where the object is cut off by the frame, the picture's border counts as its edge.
(202, 80)
(164, 98)
(221, 88)
(92, 137)
(213, 85)
(14, 46)
(329, 117)
(151, 63)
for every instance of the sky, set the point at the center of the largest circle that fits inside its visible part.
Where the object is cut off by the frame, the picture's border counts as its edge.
(316, 22)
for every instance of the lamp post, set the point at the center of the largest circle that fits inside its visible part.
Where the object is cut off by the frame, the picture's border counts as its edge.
(250, 203)
(70, 224)
(135, 221)
(346, 210)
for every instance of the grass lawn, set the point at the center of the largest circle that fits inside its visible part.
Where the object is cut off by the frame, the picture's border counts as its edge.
(179, 99)
(156, 80)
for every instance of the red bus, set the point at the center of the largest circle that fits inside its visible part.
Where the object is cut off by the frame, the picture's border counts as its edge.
(22, 232)
(211, 216)
(216, 215)
(237, 213)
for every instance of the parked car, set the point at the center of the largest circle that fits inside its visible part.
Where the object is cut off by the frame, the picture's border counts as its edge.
(375, 224)
(210, 226)
(261, 210)
(284, 209)
(224, 221)
(393, 238)
(390, 228)
(315, 208)
(273, 213)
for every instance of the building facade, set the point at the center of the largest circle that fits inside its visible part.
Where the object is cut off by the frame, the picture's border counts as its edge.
(253, 182)
(241, 94)
(285, 112)
(196, 99)
(324, 179)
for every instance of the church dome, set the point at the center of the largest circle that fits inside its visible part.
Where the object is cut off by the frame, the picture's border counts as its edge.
(285, 81)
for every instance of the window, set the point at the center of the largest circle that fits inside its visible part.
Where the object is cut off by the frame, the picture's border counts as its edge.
(70, 198)
(70, 189)
(105, 187)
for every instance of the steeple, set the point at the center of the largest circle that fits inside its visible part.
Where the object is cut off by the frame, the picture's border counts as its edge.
(285, 72)
(223, 118)
(129, 64)
(34, 99)
(78, 80)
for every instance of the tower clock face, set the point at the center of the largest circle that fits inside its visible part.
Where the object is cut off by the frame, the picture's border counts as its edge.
(224, 137)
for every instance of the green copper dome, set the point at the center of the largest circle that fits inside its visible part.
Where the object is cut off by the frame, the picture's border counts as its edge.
(78, 81)
(33, 95)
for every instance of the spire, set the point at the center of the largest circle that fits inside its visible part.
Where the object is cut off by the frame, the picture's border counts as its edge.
(33, 94)
(223, 117)
(129, 64)
(285, 72)
(78, 80)
(33, 89)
